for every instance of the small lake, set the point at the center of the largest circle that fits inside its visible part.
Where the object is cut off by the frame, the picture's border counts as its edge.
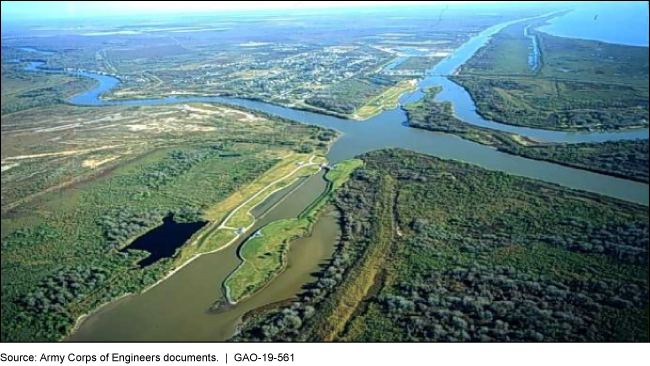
(163, 241)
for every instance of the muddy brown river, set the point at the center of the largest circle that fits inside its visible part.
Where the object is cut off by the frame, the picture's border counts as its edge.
(179, 307)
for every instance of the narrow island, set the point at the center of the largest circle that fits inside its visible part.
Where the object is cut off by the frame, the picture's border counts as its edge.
(264, 255)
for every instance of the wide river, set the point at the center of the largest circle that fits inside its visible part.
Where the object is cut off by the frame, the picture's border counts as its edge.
(178, 308)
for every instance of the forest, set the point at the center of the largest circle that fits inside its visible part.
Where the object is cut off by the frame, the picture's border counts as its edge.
(107, 215)
(437, 250)
(626, 159)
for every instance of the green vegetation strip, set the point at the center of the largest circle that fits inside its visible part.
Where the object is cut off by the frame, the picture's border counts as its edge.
(357, 284)
(264, 255)
(232, 216)
(387, 100)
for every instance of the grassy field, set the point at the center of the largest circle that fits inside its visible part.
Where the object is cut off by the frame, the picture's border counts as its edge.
(580, 84)
(418, 63)
(438, 250)
(242, 218)
(506, 54)
(264, 255)
(386, 100)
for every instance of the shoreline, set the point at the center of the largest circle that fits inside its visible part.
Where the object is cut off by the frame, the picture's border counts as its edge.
(315, 208)
(80, 319)
(224, 288)
(83, 317)
(568, 165)
(284, 260)
(285, 267)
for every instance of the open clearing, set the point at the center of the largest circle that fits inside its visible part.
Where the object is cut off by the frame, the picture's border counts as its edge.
(386, 100)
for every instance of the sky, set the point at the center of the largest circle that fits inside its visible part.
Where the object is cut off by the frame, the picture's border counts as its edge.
(78, 9)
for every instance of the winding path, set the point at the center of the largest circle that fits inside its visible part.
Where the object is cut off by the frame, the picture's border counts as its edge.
(210, 230)
(236, 209)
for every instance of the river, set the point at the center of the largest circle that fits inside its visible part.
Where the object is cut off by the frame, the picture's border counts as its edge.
(177, 309)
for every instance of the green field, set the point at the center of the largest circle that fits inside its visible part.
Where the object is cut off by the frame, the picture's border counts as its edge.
(573, 89)
(232, 217)
(234, 213)
(438, 250)
(418, 63)
(505, 54)
(264, 255)
(242, 218)
(22, 90)
(386, 100)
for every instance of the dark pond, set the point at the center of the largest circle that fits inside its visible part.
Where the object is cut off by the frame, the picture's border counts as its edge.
(163, 241)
